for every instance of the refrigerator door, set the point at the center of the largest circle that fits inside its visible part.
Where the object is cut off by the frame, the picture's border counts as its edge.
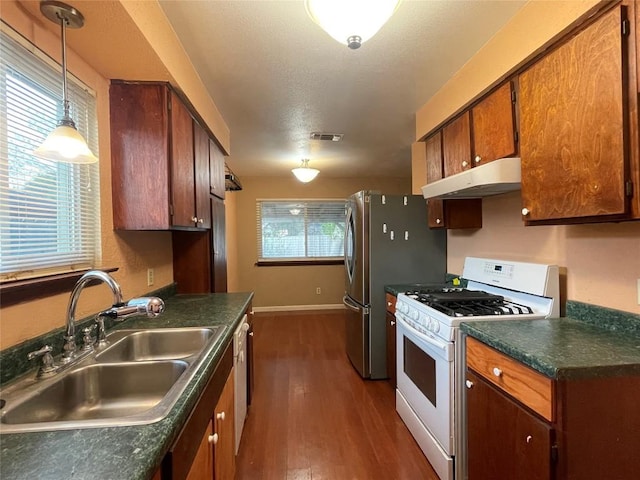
(358, 336)
(356, 248)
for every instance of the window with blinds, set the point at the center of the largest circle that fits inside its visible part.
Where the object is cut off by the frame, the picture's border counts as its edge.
(49, 212)
(304, 230)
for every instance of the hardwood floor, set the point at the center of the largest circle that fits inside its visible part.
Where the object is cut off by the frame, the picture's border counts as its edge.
(313, 417)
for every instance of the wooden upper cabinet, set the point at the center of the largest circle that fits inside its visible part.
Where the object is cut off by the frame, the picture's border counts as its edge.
(201, 167)
(573, 123)
(152, 158)
(216, 162)
(494, 129)
(465, 213)
(456, 145)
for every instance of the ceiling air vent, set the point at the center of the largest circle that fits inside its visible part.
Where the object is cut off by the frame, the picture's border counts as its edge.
(331, 137)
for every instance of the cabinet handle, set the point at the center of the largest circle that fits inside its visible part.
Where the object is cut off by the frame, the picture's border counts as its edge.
(525, 212)
(220, 416)
(468, 383)
(478, 159)
(200, 220)
(497, 372)
(392, 323)
(438, 221)
(465, 163)
(388, 304)
(251, 333)
(213, 439)
(529, 438)
(194, 219)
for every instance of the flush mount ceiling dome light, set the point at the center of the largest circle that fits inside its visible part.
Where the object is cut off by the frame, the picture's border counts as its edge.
(304, 173)
(64, 144)
(351, 22)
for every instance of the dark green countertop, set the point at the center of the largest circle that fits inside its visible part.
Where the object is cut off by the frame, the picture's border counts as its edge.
(133, 452)
(562, 348)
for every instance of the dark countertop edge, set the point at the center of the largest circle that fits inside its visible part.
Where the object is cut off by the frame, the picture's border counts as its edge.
(552, 371)
(146, 467)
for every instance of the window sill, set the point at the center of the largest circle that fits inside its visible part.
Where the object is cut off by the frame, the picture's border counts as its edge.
(297, 263)
(19, 291)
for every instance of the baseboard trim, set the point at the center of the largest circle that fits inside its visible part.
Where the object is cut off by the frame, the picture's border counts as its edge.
(291, 308)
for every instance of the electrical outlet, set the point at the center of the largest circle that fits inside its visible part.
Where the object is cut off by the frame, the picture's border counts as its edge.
(318, 291)
(150, 275)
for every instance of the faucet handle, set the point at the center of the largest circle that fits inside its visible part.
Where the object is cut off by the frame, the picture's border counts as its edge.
(48, 367)
(87, 339)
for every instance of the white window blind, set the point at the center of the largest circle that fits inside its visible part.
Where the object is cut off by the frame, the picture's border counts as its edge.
(300, 229)
(49, 212)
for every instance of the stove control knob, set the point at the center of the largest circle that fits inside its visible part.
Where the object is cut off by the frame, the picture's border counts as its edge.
(436, 326)
(414, 314)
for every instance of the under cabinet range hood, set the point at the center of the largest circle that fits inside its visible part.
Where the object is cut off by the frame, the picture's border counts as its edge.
(492, 178)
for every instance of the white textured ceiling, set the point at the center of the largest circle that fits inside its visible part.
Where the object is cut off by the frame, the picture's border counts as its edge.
(276, 77)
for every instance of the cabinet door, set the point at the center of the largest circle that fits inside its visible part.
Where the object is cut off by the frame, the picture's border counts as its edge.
(572, 125)
(456, 145)
(216, 160)
(218, 246)
(182, 170)
(201, 167)
(391, 349)
(202, 466)
(139, 156)
(504, 440)
(224, 425)
(494, 126)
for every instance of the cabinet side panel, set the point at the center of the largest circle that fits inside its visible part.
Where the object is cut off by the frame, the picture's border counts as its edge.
(139, 156)
(191, 261)
(571, 124)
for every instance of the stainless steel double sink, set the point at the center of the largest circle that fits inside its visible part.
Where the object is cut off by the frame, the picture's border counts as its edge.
(134, 380)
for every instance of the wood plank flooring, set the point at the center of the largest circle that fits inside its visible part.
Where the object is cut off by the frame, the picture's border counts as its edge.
(313, 417)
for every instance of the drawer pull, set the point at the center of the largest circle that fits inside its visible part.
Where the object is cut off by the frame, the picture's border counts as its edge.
(497, 372)
(213, 439)
(220, 416)
(529, 438)
(469, 383)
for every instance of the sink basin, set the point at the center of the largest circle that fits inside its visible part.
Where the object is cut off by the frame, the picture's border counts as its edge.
(159, 344)
(135, 380)
(99, 391)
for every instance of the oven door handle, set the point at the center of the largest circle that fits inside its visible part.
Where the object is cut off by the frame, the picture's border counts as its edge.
(442, 345)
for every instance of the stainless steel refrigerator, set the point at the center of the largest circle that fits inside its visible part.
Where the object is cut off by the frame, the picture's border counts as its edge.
(387, 242)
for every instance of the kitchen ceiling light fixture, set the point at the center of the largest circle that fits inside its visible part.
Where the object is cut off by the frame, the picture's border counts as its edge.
(64, 144)
(351, 22)
(304, 173)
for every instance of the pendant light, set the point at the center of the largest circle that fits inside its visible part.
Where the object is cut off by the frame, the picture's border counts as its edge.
(351, 22)
(64, 144)
(304, 173)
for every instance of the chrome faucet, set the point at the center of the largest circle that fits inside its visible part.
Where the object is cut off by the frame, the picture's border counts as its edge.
(150, 306)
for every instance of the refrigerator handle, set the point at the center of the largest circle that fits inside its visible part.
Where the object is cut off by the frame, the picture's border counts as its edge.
(351, 305)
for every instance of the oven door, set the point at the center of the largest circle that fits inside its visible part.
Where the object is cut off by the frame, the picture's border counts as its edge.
(425, 369)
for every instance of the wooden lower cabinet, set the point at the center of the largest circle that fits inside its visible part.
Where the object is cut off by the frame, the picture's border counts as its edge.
(526, 426)
(504, 440)
(391, 339)
(205, 448)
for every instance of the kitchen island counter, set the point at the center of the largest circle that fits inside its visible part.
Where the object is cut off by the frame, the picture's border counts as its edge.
(132, 452)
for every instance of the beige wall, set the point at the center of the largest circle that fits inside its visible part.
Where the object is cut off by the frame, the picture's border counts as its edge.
(601, 261)
(295, 285)
(131, 252)
(231, 234)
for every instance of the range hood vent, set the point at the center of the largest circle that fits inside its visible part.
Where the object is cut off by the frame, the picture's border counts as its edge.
(231, 182)
(493, 178)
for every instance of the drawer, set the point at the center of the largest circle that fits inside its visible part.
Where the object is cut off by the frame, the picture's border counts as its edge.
(391, 303)
(533, 389)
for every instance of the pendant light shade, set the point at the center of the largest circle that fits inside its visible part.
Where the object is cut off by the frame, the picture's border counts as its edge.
(351, 22)
(304, 173)
(64, 144)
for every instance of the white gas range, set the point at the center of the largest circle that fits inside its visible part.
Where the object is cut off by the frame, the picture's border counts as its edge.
(430, 354)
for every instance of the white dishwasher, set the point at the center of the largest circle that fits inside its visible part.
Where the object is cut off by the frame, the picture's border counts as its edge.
(240, 377)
